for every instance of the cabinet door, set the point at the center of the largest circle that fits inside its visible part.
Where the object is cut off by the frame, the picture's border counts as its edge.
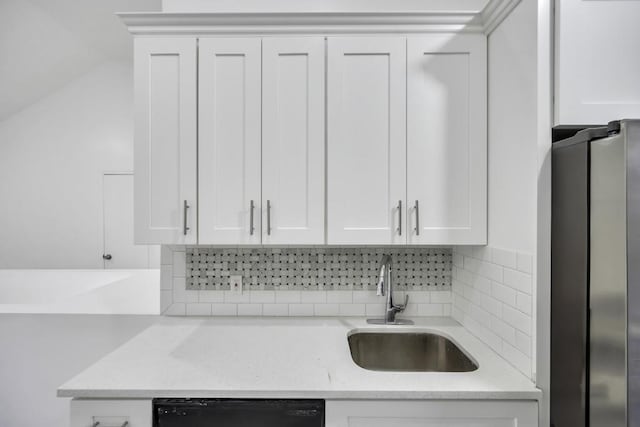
(597, 63)
(416, 413)
(293, 140)
(165, 141)
(446, 139)
(366, 140)
(111, 412)
(229, 141)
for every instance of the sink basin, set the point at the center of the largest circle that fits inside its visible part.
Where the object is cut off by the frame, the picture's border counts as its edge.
(408, 352)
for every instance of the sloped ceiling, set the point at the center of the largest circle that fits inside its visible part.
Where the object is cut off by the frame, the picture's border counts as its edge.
(46, 44)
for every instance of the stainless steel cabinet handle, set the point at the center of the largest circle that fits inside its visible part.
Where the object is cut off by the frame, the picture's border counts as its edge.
(251, 207)
(268, 217)
(185, 228)
(399, 217)
(417, 207)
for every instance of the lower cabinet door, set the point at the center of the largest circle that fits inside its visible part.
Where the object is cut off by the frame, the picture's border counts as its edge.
(462, 413)
(111, 413)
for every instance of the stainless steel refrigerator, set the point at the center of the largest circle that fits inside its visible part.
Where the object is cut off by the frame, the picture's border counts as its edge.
(595, 283)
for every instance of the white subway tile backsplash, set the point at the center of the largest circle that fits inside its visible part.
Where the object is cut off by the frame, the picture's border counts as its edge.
(458, 260)
(166, 277)
(492, 299)
(289, 297)
(352, 309)
(326, 309)
(225, 309)
(198, 309)
(523, 343)
(275, 310)
(265, 297)
(431, 309)
(482, 284)
(210, 297)
(441, 297)
(181, 294)
(179, 264)
(518, 280)
(516, 358)
(166, 299)
(482, 253)
(518, 319)
(506, 332)
(525, 263)
(166, 255)
(176, 309)
(424, 297)
(301, 310)
(339, 297)
(313, 297)
(374, 310)
(524, 303)
(503, 293)
(505, 258)
(233, 297)
(249, 309)
(367, 297)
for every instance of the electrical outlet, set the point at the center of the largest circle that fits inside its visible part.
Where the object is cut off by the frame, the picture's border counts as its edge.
(235, 283)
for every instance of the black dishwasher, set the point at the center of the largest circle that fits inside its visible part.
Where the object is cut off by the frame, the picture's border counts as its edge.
(237, 413)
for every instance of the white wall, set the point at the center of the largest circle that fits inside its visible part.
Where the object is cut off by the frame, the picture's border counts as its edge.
(53, 155)
(512, 130)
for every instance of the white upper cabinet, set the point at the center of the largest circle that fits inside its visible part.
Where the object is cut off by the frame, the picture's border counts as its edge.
(229, 149)
(165, 141)
(446, 139)
(366, 160)
(293, 140)
(597, 61)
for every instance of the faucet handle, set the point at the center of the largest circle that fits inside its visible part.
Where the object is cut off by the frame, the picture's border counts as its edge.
(401, 307)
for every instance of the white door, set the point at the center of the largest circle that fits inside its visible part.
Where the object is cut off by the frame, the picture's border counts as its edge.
(366, 152)
(229, 164)
(446, 139)
(165, 140)
(293, 140)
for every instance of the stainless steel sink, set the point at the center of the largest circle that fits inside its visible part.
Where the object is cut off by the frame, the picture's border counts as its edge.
(408, 352)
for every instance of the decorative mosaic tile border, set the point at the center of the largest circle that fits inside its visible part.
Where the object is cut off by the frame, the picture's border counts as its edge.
(316, 268)
(177, 300)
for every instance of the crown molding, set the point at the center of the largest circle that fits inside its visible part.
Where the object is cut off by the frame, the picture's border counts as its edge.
(195, 24)
(495, 12)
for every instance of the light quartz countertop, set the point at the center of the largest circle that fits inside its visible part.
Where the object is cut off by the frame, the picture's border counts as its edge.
(284, 358)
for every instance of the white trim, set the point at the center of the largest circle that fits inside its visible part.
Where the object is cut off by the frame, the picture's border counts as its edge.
(495, 12)
(154, 23)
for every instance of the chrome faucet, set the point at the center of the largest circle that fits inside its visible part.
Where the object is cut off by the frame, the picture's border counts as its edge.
(385, 288)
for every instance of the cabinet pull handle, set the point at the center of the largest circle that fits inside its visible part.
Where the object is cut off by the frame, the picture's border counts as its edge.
(268, 217)
(417, 206)
(185, 228)
(251, 207)
(399, 217)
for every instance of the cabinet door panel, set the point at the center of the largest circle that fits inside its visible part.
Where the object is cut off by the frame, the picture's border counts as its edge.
(293, 140)
(366, 140)
(592, 88)
(446, 139)
(165, 140)
(230, 137)
(424, 413)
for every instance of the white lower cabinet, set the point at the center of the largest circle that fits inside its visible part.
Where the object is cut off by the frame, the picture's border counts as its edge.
(415, 413)
(111, 413)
